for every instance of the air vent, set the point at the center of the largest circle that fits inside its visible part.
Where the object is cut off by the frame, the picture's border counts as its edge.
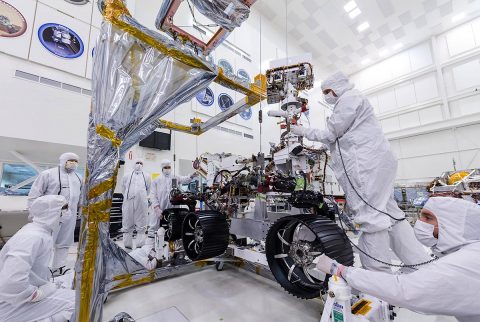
(72, 88)
(19, 73)
(52, 82)
(227, 130)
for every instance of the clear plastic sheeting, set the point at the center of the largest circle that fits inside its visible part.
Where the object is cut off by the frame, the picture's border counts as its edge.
(135, 82)
(228, 14)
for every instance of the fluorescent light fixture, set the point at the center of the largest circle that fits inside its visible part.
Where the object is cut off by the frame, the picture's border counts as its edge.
(355, 12)
(366, 61)
(458, 17)
(383, 53)
(350, 6)
(397, 46)
(363, 26)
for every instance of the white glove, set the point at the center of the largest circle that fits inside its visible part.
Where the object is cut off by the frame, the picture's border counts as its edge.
(158, 212)
(297, 129)
(43, 291)
(330, 266)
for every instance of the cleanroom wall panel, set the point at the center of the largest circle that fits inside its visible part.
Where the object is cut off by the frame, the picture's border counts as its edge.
(466, 75)
(426, 88)
(19, 45)
(466, 106)
(428, 144)
(40, 54)
(405, 94)
(399, 64)
(476, 30)
(81, 12)
(390, 124)
(460, 39)
(420, 56)
(424, 167)
(387, 100)
(409, 120)
(40, 112)
(430, 114)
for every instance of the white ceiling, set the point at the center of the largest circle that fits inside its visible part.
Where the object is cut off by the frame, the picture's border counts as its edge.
(323, 27)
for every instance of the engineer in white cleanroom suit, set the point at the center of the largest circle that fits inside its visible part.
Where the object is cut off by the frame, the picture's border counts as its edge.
(371, 168)
(448, 286)
(61, 180)
(161, 188)
(26, 294)
(135, 190)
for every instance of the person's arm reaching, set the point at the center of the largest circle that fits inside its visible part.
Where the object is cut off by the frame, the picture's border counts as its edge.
(338, 124)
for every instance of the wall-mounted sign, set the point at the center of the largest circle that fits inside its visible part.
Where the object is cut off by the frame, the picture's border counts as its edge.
(242, 73)
(78, 2)
(224, 101)
(205, 97)
(246, 114)
(12, 22)
(226, 66)
(60, 40)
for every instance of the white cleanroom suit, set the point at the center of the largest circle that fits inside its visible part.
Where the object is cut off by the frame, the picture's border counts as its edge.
(371, 167)
(135, 189)
(448, 286)
(161, 188)
(60, 181)
(26, 294)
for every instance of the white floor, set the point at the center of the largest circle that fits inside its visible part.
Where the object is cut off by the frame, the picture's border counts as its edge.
(232, 295)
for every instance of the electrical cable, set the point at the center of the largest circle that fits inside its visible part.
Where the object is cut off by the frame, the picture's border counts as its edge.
(358, 248)
(383, 262)
(356, 192)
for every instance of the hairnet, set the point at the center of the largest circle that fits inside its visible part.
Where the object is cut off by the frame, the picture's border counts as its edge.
(165, 162)
(67, 156)
(458, 222)
(338, 82)
(46, 210)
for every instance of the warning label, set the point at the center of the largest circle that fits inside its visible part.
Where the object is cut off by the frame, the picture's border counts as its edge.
(362, 307)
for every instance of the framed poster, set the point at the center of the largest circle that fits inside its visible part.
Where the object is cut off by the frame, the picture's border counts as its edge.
(205, 97)
(60, 40)
(246, 114)
(226, 66)
(12, 22)
(242, 73)
(224, 101)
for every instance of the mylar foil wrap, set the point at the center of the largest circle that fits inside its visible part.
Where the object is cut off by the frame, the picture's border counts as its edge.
(228, 14)
(137, 78)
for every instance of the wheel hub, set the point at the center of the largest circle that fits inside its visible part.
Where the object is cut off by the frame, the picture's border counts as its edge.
(198, 233)
(300, 253)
